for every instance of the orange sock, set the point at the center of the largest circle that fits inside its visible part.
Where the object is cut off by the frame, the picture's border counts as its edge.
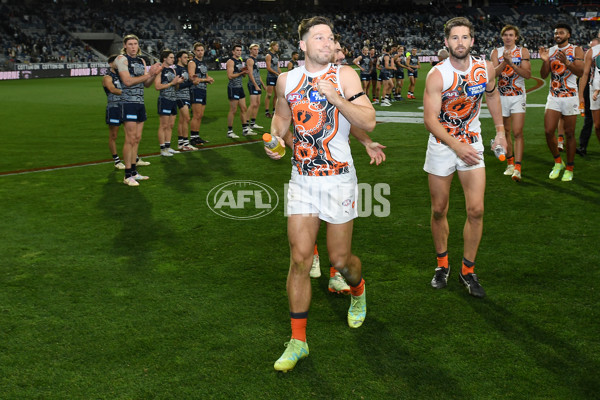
(358, 289)
(332, 271)
(316, 252)
(510, 160)
(442, 260)
(570, 167)
(557, 159)
(467, 267)
(518, 166)
(299, 325)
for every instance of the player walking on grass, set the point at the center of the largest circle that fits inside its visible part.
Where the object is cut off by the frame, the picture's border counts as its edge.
(112, 87)
(512, 66)
(235, 92)
(198, 72)
(167, 83)
(134, 77)
(322, 100)
(452, 102)
(565, 62)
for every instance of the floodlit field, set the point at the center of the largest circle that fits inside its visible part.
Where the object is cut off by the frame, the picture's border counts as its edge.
(114, 292)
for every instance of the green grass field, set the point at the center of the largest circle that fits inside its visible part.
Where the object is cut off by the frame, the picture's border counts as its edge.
(113, 292)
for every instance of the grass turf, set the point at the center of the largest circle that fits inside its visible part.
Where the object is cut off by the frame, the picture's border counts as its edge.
(117, 292)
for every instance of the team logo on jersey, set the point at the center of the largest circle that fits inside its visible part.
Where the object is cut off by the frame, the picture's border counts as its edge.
(315, 97)
(293, 97)
(474, 90)
(451, 94)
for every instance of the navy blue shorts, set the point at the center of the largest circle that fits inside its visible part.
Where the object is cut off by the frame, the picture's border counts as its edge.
(414, 73)
(183, 103)
(133, 112)
(365, 76)
(198, 96)
(399, 73)
(236, 93)
(374, 75)
(252, 90)
(271, 80)
(166, 106)
(114, 116)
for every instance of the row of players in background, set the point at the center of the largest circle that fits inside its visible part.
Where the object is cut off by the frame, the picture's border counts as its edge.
(391, 65)
(178, 93)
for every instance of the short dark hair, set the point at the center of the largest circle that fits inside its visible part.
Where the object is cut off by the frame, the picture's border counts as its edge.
(308, 23)
(180, 53)
(458, 21)
(111, 58)
(164, 54)
(294, 53)
(562, 25)
(235, 45)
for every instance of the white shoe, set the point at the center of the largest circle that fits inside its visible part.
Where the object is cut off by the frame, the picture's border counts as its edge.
(385, 104)
(255, 126)
(232, 135)
(337, 284)
(140, 177)
(561, 146)
(172, 151)
(188, 147)
(510, 168)
(315, 269)
(130, 181)
(249, 132)
(120, 165)
(142, 163)
(165, 153)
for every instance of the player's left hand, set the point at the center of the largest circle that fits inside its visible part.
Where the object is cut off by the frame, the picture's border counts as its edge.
(375, 151)
(562, 57)
(507, 56)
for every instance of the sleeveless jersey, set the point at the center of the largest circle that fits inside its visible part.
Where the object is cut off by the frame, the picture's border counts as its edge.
(510, 83)
(461, 99)
(183, 90)
(166, 76)
(321, 145)
(414, 60)
(401, 60)
(255, 71)
(237, 67)
(113, 100)
(135, 93)
(294, 64)
(382, 63)
(595, 53)
(564, 82)
(201, 72)
(365, 64)
(274, 65)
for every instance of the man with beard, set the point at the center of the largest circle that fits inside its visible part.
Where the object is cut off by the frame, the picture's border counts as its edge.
(323, 184)
(452, 102)
(565, 61)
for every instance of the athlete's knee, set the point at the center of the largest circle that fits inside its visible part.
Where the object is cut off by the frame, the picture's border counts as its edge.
(475, 212)
(439, 212)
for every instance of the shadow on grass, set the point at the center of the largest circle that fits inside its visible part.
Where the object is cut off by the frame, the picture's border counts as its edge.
(576, 370)
(136, 231)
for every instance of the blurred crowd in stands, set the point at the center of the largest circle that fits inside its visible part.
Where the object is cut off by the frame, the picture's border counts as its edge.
(41, 31)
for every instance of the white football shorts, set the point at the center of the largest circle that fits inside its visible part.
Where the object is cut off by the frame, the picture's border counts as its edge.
(513, 104)
(564, 105)
(441, 160)
(332, 198)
